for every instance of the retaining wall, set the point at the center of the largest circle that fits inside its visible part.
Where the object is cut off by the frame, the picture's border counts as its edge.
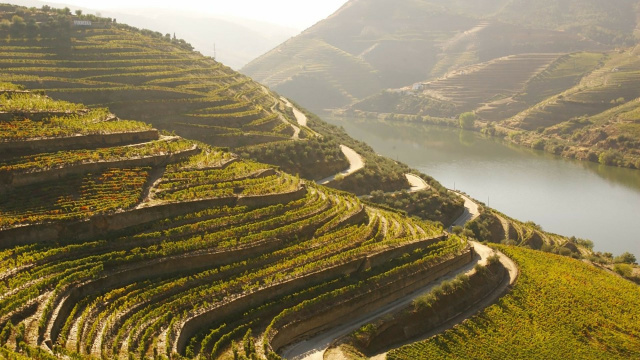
(19, 148)
(9, 180)
(102, 224)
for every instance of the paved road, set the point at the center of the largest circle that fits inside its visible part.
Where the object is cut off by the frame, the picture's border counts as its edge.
(356, 162)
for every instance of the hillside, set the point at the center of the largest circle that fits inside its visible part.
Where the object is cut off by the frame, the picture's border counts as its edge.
(580, 105)
(556, 309)
(371, 45)
(120, 241)
(144, 75)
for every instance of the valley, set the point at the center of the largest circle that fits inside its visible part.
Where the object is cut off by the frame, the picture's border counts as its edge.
(517, 181)
(156, 204)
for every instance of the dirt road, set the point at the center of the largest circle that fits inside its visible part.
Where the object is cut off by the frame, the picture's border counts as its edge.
(356, 162)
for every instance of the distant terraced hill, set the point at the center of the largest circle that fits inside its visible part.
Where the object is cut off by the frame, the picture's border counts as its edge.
(371, 45)
(119, 241)
(581, 105)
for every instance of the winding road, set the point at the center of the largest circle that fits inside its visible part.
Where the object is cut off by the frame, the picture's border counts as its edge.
(300, 117)
(471, 211)
(356, 162)
(417, 183)
(315, 347)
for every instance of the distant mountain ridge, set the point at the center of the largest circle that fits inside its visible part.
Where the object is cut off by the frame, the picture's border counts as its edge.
(370, 45)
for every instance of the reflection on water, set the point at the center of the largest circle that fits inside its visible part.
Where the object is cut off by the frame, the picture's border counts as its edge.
(588, 200)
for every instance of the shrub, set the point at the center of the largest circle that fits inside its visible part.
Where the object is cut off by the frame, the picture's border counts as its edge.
(493, 259)
(608, 157)
(625, 270)
(467, 120)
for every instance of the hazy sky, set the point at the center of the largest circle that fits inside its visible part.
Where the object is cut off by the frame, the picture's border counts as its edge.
(293, 13)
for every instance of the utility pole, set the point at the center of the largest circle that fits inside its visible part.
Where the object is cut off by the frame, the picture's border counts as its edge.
(214, 51)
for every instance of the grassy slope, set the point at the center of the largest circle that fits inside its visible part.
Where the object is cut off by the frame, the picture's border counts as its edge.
(559, 308)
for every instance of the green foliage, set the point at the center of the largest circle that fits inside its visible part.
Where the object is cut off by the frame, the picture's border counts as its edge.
(623, 269)
(467, 120)
(626, 258)
(426, 204)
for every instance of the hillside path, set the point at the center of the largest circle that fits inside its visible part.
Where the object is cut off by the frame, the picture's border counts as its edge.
(471, 211)
(356, 162)
(296, 130)
(300, 117)
(417, 183)
(314, 348)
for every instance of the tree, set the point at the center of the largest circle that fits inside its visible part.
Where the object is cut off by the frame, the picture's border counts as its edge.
(609, 157)
(626, 258)
(18, 26)
(467, 120)
(79, 12)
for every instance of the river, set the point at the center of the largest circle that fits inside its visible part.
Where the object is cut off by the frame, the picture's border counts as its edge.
(568, 197)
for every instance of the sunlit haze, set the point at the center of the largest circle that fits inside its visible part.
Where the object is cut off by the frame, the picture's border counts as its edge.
(293, 13)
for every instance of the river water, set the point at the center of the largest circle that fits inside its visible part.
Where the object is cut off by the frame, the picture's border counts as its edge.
(567, 197)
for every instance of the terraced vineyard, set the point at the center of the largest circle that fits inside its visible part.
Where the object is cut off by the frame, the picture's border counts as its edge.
(579, 105)
(484, 83)
(594, 120)
(559, 308)
(138, 74)
(143, 75)
(156, 246)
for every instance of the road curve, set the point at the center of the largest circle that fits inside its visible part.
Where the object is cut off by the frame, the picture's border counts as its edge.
(471, 211)
(356, 162)
(480, 305)
(417, 183)
(315, 347)
(300, 117)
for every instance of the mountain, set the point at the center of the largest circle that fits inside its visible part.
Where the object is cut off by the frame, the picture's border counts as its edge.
(579, 105)
(237, 41)
(371, 45)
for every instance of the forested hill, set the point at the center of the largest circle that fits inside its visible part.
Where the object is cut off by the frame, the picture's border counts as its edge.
(370, 45)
